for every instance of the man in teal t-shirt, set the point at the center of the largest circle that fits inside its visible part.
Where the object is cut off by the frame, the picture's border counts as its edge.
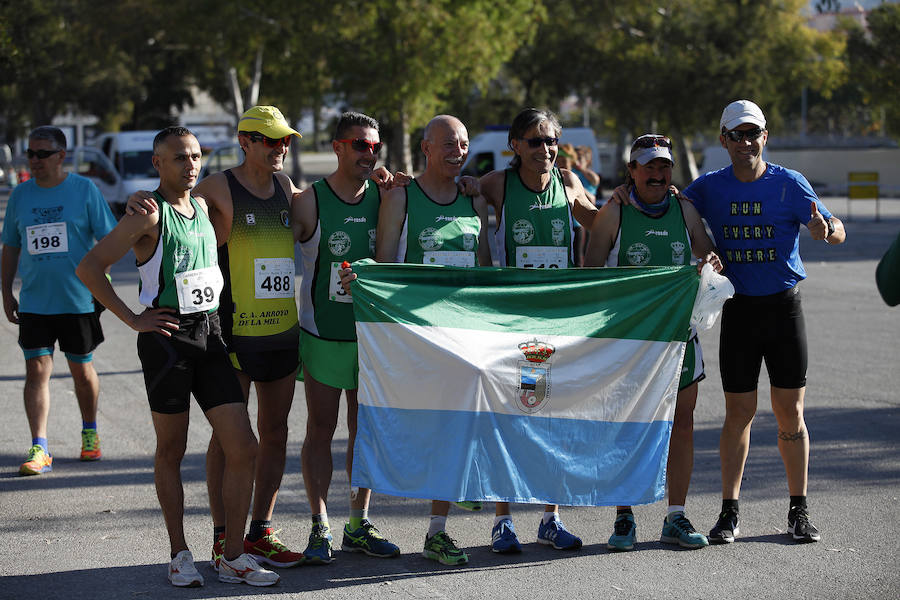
(55, 217)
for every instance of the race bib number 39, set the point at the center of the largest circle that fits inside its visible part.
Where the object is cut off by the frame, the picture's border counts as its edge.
(542, 257)
(336, 292)
(198, 290)
(274, 277)
(47, 238)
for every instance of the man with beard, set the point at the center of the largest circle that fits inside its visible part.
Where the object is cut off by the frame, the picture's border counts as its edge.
(657, 229)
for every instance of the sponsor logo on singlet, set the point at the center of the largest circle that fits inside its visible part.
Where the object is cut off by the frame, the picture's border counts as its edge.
(431, 239)
(677, 253)
(638, 254)
(557, 232)
(339, 243)
(523, 231)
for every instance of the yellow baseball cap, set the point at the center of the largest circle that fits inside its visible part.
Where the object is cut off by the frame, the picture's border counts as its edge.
(268, 121)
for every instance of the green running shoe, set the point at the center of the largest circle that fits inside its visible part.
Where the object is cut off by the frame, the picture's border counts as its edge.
(368, 539)
(442, 548)
(678, 530)
(469, 505)
(624, 534)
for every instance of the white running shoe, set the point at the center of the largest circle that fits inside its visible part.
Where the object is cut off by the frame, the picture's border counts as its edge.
(182, 572)
(245, 569)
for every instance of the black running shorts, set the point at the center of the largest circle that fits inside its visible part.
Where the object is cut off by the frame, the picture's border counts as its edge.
(76, 333)
(193, 360)
(757, 328)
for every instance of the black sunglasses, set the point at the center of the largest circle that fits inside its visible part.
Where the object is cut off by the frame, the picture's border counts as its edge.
(652, 141)
(361, 145)
(736, 135)
(41, 154)
(537, 142)
(256, 136)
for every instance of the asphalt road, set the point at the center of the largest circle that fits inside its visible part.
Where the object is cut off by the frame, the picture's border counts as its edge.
(94, 530)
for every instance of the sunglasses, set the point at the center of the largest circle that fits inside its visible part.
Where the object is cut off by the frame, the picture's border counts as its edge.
(652, 141)
(361, 145)
(537, 142)
(255, 136)
(736, 135)
(41, 154)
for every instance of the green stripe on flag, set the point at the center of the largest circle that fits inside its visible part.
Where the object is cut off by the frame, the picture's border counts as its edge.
(649, 303)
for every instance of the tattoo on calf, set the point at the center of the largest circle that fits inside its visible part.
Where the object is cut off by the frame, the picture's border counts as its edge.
(791, 437)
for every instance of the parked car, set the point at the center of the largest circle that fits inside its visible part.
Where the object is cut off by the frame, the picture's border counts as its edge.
(220, 158)
(93, 164)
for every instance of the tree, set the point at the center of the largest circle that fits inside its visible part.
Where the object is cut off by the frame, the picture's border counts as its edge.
(400, 59)
(874, 61)
(673, 65)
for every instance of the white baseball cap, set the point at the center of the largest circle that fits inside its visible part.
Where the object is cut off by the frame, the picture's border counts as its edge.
(650, 146)
(740, 112)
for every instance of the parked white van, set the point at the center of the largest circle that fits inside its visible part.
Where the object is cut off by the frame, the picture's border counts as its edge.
(131, 153)
(489, 150)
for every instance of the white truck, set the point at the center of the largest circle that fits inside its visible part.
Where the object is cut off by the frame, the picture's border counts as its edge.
(131, 152)
(489, 150)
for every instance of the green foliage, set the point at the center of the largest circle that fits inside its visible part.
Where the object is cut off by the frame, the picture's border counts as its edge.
(874, 62)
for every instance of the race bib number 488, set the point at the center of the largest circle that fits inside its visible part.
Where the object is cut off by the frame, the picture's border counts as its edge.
(274, 277)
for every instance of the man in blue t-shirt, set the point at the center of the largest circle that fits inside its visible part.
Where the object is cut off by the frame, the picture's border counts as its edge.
(55, 217)
(755, 210)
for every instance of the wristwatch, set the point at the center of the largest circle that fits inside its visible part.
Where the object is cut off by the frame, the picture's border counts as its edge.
(830, 228)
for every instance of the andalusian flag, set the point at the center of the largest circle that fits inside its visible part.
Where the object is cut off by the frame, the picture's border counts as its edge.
(534, 386)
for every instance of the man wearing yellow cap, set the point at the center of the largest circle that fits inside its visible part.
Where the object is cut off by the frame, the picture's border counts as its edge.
(249, 207)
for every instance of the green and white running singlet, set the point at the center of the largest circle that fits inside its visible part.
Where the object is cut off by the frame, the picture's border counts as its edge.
(645, 241)
(258, 265)
(183, 272)
(344, 232)
(439, 234)
(535, 230)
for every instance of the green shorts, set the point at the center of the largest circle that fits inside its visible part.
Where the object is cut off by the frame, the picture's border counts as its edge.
(329, 362)
(692, 365)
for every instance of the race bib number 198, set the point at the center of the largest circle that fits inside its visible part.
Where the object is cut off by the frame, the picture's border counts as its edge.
(47, 238)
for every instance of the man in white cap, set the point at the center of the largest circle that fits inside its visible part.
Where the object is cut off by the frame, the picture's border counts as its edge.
(755, 210)
(657, 229)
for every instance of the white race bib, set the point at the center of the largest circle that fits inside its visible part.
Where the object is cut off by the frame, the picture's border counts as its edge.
(47, 238)
(458, 258)
(274, 277)
(198, 290)
(542, 257)
(336, 292)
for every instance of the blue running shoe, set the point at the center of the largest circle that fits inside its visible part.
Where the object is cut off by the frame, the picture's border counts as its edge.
(554, 533)
(318, 552)
(368, 539)
(678, 530)
(503, 538)
(624, 533)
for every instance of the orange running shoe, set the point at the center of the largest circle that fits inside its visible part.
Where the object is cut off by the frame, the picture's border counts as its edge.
(90, 445)
(38, 461)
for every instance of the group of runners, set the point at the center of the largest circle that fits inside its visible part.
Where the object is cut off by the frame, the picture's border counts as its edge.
(229, 241)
